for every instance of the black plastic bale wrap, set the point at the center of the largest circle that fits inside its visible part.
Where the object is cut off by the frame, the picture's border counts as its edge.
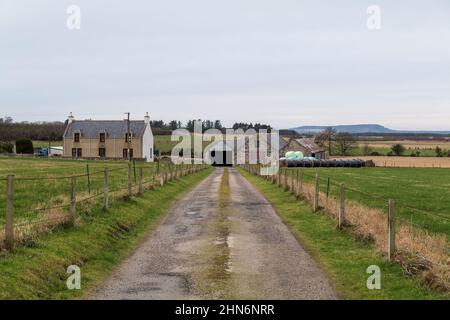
(307, 163)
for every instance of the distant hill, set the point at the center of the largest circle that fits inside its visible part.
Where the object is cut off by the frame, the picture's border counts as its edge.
(362, 128)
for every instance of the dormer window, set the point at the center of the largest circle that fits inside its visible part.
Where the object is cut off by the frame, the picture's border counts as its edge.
(76, 137)
(102, 136)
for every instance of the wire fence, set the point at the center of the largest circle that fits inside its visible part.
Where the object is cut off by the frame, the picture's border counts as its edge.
(395, 229)
(37, 204)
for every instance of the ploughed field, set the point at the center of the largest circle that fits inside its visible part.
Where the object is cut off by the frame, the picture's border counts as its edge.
(422, 194)
(42, 186)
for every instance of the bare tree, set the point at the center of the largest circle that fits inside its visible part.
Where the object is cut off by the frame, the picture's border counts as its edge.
(344, 141)
(326, 138)
(367, 150)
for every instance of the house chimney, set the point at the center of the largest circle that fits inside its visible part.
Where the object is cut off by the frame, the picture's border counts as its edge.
(147, 118)
(70, 118)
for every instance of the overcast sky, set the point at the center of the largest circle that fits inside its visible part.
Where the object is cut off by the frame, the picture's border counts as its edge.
(286, 62)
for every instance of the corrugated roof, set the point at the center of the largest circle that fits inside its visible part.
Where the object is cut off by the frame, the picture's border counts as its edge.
(114, 128)
(309, 144)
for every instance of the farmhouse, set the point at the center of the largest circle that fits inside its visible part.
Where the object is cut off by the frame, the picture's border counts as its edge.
(108, 139)
(306, 145)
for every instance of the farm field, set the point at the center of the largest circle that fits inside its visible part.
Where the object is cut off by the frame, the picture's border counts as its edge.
(422, 195)
(405, 162)
(42, 186)
(423, 148)
(409, 144)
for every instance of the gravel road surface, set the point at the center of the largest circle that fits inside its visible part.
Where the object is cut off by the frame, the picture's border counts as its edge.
(215, 245)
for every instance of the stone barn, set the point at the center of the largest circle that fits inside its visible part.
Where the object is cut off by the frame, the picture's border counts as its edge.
(306, 145)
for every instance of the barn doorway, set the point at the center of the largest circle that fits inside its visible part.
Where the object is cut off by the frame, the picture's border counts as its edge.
(222, 158)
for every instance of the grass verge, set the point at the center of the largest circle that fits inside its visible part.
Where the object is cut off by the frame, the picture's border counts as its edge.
(97, 245)
(344, 258)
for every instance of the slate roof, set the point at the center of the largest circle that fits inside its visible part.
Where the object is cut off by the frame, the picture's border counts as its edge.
(115, 129)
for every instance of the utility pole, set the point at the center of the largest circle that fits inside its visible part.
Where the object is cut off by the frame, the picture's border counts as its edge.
(128, 137)
(49, 148)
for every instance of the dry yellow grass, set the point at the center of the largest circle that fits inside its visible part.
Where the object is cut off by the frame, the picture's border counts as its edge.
(406, 162)
(417, 250)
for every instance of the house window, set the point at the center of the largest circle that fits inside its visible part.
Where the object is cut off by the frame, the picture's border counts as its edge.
(125, 153)
(77, 153)
(151, 153)
(128, 139)
(101, 152)
(76, 137)
(102, 137)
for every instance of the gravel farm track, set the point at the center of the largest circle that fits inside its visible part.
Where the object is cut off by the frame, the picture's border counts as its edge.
(223, 240)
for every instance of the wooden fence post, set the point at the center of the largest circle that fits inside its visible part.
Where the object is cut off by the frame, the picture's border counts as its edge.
(134, 170)
(341, 220)
(292, 184)
(140, 181)
(88, 178)
(299, 184)
(328, 187)
(129, 179)
(106, 189)
(316, 194)
(285, 182)
(73, 201)
(9, 227)
(279, 178)
(391, 229)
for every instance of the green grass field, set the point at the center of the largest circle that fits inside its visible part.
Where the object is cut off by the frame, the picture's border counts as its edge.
(42, 183)
(426, 189)
(344, 258)
(383, 151)
(99, 242)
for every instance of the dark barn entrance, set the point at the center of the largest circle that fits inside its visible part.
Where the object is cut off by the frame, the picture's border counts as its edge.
(222, 158)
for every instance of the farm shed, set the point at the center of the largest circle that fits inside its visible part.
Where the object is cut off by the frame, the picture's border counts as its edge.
(306, 145)
(108, 139)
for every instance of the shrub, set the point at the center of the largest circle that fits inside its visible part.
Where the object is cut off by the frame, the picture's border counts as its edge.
(398, 149)
(375, 154)
(24, 146)
(6, 147)
(390, 154)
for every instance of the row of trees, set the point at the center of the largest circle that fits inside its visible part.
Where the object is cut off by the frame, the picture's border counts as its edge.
(399, 150)
(11, 131)
(164, 128)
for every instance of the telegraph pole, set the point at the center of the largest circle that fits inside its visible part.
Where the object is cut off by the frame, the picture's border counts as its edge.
(128, 137)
